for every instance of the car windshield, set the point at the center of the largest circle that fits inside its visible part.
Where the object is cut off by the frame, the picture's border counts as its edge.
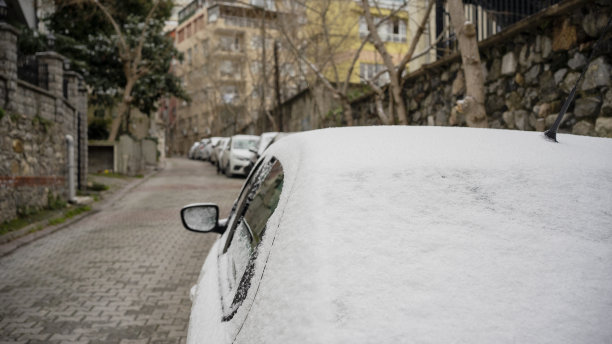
(244, 143)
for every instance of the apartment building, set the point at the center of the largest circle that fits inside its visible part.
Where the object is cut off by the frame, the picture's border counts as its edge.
(333, 32)
(228, 49)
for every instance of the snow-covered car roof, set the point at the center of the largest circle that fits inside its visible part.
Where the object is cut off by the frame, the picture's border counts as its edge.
(437, 235)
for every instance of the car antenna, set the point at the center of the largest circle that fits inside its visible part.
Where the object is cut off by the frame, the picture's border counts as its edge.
(552, 132)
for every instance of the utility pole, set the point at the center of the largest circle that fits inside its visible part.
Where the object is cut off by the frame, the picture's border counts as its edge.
(277, 87)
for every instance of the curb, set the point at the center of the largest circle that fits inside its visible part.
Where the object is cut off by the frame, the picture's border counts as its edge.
(26, 238)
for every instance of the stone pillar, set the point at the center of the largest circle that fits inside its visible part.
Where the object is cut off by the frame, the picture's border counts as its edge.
(73, 87)
(54, 63)
(8, 66)
(55, 69)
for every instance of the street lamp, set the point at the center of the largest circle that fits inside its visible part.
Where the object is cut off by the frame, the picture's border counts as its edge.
(3, 11)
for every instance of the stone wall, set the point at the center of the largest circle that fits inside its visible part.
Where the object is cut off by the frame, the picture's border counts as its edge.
(530, 68)
(33, 127)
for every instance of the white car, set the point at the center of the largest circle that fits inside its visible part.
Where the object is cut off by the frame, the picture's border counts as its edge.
(200, 151)
(237, 155)
(214, 152)
(220, 150)
(192, 150)
(412, 235)
(210, 147)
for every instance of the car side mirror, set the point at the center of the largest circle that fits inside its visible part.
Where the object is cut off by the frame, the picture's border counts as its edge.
(202, 218)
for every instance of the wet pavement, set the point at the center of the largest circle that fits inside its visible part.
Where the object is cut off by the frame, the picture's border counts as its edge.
(121, 275)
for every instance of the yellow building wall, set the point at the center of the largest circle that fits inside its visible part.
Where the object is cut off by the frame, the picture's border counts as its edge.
(342, 23)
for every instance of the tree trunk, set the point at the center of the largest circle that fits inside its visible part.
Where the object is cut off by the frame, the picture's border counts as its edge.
(396, 91)
(347, 111)
(473, 104)
(380, 110)
(124, 108)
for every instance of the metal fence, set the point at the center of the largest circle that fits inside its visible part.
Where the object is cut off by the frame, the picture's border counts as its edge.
(29, 70)
(489, 17)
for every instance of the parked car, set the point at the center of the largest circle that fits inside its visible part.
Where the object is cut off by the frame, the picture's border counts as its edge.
(200, 152)
(192, 150)
(262, 144)
(235, 160)
(221, 150)
(210, 147)
(412, 234)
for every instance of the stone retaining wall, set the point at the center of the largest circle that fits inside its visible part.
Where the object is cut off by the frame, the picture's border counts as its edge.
(34, 123)
(529, 73)
(530, 67)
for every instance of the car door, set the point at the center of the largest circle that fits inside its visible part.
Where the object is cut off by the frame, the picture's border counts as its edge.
(239, 258)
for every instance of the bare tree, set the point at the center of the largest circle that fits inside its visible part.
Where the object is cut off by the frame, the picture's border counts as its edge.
(395, 71)
(326, 44)
(473, 103)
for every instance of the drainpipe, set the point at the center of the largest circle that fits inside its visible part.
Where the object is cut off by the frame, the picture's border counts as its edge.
(70, 162)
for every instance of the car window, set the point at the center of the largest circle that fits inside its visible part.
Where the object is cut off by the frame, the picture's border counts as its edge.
(238, 261)
(245, 144)
(264, 202)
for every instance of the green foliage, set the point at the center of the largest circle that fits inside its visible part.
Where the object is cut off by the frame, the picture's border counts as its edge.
(358, 91)
(28, 215)
(98, 187)
(21, 222)
(2, 113)
(14, 117)
(87, 37)
(45, 124)
(335, 116)
(69, 214)
(55, 202)
(30, 42)
(98, 129)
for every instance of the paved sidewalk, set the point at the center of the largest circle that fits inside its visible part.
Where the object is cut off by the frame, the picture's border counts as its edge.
(121, 275)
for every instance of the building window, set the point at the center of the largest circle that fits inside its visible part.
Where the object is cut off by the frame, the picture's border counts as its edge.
(367, 71)
(213, 14)
(392, 30)
(267, 4)
(230, 43)
(189, 56)
(181, 35)
(229, 68)
(229, 94)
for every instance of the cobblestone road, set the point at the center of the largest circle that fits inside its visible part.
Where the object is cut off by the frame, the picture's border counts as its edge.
(119, 276)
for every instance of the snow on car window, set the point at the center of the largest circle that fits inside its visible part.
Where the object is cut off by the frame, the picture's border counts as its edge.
(237, 259)
(244, 144)
(264, 201)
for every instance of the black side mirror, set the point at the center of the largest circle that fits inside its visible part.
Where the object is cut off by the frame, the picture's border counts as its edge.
(202, 218)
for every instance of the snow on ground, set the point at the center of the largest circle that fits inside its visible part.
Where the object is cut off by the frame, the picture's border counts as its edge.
(424, 234)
